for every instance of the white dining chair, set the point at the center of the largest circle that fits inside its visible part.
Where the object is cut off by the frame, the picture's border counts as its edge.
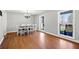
(31, 29)
(25, 29)
(21, 31)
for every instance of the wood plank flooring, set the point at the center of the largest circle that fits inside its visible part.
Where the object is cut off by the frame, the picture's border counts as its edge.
(36, 40)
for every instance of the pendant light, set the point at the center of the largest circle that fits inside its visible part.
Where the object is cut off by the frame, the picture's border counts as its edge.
(27, 15)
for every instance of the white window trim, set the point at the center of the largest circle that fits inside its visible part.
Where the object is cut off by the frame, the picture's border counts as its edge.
(64, 36)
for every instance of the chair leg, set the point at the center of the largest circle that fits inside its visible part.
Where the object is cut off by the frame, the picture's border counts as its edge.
(17, 33)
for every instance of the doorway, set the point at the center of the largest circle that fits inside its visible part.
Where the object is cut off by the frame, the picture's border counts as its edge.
(41, 23)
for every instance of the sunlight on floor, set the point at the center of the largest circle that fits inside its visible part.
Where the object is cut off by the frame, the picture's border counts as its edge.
(42, 40)
(65, 44)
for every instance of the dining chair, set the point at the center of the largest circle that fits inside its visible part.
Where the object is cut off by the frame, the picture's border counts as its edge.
(21, 31)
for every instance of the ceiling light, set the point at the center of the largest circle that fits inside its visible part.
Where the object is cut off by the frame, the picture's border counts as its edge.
(27, 15)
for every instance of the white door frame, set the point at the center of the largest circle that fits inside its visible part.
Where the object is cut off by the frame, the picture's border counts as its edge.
(40, 22)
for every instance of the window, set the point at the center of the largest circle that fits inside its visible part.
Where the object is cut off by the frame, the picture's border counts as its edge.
(66, 23)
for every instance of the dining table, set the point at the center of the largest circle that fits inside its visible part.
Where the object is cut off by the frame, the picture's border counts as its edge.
(25, 29)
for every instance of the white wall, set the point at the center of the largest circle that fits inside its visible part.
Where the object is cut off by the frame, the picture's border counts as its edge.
(77, 24)
(15, 19)
(51, 21)
(4, 21)
(3, 25)
(0, 28)
(37, 21)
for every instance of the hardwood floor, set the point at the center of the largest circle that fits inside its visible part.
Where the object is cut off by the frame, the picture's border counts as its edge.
(36, 40)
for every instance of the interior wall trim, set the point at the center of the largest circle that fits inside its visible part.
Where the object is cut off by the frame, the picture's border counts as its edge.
(1, 40)
(73, 40)
(4, 36)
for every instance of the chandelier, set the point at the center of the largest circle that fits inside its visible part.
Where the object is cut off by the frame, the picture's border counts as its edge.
(27, 15)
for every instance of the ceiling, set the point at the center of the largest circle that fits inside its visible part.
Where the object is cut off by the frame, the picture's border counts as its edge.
(33, 12)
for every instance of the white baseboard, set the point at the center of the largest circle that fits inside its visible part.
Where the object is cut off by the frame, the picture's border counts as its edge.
(4, 35)
(73, 40)
(1, 40)
(11, 31)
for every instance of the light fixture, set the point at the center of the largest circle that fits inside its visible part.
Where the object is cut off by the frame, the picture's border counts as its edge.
(27, 15)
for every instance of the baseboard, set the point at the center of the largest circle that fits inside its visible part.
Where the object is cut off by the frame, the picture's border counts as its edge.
(73, 40)
(10, 31)
(5, 33)
(4, 36)
(1, 40)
